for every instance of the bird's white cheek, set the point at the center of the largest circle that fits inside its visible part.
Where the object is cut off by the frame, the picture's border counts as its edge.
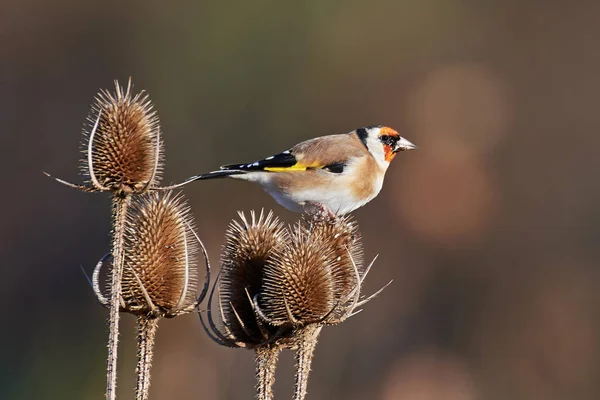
(378, 152)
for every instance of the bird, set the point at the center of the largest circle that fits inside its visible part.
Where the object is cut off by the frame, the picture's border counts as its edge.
(332, 175)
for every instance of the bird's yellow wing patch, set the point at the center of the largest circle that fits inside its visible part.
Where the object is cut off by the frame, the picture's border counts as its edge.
(296, 167)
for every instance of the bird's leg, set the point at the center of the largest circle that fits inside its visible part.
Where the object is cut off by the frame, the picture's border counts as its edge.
(319, 211)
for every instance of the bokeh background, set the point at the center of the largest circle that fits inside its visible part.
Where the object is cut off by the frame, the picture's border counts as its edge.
(490, 231)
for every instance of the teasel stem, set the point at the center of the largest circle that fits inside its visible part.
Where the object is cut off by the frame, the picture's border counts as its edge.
(145, 350)
(307, 341)
(120, 204)
(266, 363)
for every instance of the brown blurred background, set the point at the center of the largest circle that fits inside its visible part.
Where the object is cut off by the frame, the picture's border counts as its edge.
(490, 231)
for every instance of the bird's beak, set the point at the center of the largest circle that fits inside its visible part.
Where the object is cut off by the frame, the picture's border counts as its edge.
(403, 144)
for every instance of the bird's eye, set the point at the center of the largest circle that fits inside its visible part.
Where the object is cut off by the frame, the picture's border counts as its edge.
(388, 140)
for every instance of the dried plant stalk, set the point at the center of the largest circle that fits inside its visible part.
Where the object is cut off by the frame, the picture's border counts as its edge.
(266, 363)
(147, 327)
(307, 341)
(120, 211)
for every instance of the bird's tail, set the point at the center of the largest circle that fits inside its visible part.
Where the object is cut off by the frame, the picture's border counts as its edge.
(217, 174)
(209, 175)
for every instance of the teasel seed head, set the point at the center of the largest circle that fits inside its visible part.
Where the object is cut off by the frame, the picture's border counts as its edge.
(122, 148)
(342, 235)
(312, 278)
(160, 274)
(160, 253)
(249, 244)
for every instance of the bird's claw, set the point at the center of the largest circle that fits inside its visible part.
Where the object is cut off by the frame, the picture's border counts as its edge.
(320, 212)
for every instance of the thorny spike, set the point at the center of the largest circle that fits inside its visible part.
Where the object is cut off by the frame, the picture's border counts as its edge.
(356, 291)
(289, 311)
(72, 185)
(364, 275)
(95, 182)
(325, 319)
(355, 312)
(214, 333)
(97, 187)
(259, 311)
(144, 291)
(263, 332)
(96, 280)
(205, 254)
(187, 274)
(237, 316)
(371, 297)
(222, 341)
(156, 156)
(96, 283)
(351, 311)
(222, 315)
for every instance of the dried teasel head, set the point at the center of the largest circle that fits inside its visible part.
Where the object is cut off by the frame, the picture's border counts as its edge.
(160, 275)
(342, 236)
(123, 148)
(123, 151)
(315, 278)
(249, 245)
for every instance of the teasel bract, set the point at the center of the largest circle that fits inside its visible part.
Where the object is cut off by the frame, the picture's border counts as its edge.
(123, 153)
(160, 275)
(278, 286)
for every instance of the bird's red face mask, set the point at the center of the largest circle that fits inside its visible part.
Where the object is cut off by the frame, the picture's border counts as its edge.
(389, 138)
(393, 143)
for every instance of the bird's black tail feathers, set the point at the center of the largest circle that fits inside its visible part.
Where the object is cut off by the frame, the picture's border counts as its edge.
(210, 175)
(217, 174)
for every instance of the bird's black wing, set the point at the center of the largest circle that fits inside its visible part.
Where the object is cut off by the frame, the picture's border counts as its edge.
(285, 161)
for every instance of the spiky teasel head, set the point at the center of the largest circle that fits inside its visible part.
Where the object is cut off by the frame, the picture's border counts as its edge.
(160, 251)
(249, 245)
(314, 277)
(342, 236)
(122, 148)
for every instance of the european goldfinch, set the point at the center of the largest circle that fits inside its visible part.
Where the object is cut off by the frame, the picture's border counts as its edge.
(335, 174)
